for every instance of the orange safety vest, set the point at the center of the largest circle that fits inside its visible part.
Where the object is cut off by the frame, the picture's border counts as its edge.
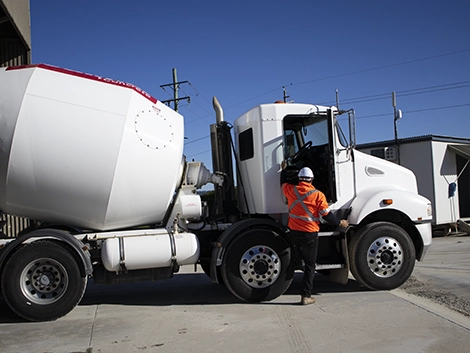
(306, 205)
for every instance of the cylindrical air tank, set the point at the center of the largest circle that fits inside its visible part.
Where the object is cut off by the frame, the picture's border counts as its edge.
(85, 151)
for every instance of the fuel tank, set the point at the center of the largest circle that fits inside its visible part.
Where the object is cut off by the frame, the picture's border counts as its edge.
(149, 251)
(85, 151)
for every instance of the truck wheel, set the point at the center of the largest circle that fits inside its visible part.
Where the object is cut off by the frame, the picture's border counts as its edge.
(382, 256)
(257, 266)
(42, 281)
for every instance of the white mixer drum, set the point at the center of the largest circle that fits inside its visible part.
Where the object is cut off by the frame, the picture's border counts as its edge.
(85, 151)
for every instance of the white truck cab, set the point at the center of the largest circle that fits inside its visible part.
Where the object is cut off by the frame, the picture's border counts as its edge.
(375, 196)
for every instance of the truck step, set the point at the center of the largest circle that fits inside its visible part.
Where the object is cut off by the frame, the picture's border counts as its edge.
(328, 266)
(328, 234)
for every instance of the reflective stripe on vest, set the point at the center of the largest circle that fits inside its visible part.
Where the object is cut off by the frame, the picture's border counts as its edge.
(300, 200)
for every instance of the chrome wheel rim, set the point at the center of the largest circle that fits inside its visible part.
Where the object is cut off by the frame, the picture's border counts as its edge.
(385, 257)
(260, 266)
(44, 281)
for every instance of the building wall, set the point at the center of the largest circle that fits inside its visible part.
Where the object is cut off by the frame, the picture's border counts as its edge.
(15, 33)
(20, 15)
(15, 49)
(418, 158)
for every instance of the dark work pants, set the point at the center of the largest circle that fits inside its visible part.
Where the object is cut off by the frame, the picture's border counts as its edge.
(308, 246)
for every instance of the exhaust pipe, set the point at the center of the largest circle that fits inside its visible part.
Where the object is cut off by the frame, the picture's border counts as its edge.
(222, 162)
(219, 112)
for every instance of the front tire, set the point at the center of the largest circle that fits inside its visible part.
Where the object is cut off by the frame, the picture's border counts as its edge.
(257, 266)
(382, 256)
(42, 281)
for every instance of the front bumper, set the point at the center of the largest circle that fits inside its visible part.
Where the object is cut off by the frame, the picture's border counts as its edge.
(425, 230)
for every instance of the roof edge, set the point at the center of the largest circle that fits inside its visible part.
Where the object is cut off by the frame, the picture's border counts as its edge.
(407, 140)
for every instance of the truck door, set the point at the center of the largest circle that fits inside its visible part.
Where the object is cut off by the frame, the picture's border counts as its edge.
(308, 141)
(343, 168)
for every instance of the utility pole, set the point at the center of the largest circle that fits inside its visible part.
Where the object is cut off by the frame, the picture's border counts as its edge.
(175, 86)
(284, 92)
(397, 114)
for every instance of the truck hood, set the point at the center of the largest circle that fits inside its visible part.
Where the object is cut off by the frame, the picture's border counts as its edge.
(372, 172)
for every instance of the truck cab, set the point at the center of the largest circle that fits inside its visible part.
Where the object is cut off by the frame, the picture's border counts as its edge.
(379, 198)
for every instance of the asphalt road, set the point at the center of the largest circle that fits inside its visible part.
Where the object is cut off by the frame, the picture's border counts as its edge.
(191, 314)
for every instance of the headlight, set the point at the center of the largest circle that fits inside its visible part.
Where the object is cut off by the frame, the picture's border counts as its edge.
(429, 210)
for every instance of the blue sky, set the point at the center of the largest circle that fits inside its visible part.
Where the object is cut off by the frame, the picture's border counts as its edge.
(245, 51)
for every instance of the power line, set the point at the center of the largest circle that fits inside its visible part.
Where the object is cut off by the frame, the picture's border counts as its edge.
(209, 113)
(376, 115)
(249, 99)
(355, 73)
(369, 98)
(409, 92)
(197, 154)
(404, 93)
(199, 139)
(199, 94)
(438, 108)
(384, 66)
(197, 115)
(413, 111)
(359, 117)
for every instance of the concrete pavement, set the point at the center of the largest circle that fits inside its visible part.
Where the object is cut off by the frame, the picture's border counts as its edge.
(190, 314)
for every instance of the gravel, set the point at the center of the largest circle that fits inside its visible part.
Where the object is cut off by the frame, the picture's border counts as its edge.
(427, 290)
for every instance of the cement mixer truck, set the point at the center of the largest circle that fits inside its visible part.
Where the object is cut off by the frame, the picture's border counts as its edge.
(98, 164)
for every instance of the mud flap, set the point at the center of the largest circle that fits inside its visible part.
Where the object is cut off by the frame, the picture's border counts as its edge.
(341, 275)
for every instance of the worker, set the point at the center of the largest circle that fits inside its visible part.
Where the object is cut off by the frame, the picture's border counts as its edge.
(306, 205)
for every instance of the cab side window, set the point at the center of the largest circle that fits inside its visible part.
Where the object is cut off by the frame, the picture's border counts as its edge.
(245, 142)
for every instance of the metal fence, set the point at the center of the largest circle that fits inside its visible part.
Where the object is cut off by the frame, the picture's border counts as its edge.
(12, 225)
(12, 52)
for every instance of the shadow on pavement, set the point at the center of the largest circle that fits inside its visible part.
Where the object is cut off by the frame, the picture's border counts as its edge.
(182, 289)
(192, 289)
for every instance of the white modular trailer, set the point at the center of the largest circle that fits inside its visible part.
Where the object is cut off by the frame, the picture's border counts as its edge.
(85, 151)
(441, 166)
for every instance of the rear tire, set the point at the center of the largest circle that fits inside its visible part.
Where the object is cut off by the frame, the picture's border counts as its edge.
(382, 256)
(42, 281)
(258, 266)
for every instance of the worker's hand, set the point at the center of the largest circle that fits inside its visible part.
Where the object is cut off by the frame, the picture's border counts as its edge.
(283, 164)
(343, 223)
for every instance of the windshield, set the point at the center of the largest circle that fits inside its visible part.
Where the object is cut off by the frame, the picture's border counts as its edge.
(298, 130)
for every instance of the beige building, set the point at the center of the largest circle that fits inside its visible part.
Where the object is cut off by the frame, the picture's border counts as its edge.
(15, 33)
(15, 49)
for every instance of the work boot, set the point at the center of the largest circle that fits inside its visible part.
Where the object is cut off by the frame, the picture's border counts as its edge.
(307, 300)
